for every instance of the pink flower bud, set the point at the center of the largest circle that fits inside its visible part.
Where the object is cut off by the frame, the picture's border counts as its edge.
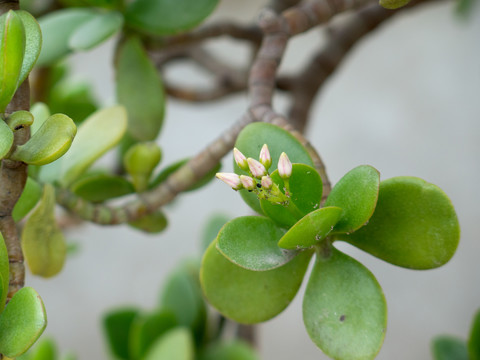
(232, 180)
(240, 159)
(247, 182)
(267, 182)
(265, 157)
(256, 168)
(284, 166)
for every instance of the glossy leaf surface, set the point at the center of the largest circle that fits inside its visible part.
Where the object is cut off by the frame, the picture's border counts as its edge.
(305, 195)
(356, 193)
(96, 30)
(117, 325)
(177, 344)
(344, 309)
(232, 350)
(42, 240)
(449, 348)
(30, 196)
(33, 43)
(247, 296)
(251, 242)
(414, 225)
(152, 223)
(6, 138)
(96, 135)
(250, 141)
(474, 338)
(49, 143)
(140, 90)
(101, 187)
(311, 229)
(4, 272)
(22, 322)
(168, 17)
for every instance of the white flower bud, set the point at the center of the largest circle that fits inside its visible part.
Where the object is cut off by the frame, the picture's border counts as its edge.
(240, 159)
(256, 168)
(231, 179)
(265, 157)
(247, 182)
(284, 166)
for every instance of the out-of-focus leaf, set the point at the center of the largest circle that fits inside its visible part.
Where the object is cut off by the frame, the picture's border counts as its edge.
(101, 187)
(30, 196)
(474, 338)
(117, 326)
(177, 344)
(152, 223)
(449, 348)
(232, 350)
(33, 44)
(4, 272)
(44, 350)
(140, 161)
(40, 114)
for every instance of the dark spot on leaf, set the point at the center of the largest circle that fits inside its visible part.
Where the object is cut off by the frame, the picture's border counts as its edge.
(342, 318)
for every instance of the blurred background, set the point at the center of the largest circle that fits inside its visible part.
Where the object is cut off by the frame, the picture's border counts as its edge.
(405, 100)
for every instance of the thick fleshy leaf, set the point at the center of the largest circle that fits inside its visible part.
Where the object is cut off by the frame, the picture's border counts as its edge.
(474, 338)
(254, 136)
(4, 272)
(12, 49)
(168, 17)
(356, 193)
(247, 296)
(96, 135)
(6, 138)
(42, 240)
(33, 44)
(19, 119)
(96, 30)
(305, 195)
(57, 28)
(146, 105)
(146, 329)
(177, 344)
(449, 348)
(251, 242)
(311, 229)
(101, 187)
(22, 322)
(344, 309)
(117, 325)
(232, 350)
(30, 196)
(49, 143)
(414, 225)
(152, 223)
(212, 228)
(41, 113)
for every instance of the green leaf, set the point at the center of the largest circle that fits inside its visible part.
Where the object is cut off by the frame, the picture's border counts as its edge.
(212, 228)
(44, 350)
(33, 43)
(96, 30)
(232, 350)
(12, 49)
(6, 138)
(96, 135)
(49, 143)
(414, 225)
(22, 322)
(117, 325)
(251, 242)
(57, 28)
(311, 229)
(250, 141)
(42, 240)
(152, 223)
(393, 4)
(305, 195)
(101, 187)
(30, 196)
(140, 161)
(4, 272)
(140, 89)
(247, 296)
(344, 309)
(168, 17)
(449, 348)
(474, 338)
(20, 119)
(40, 114)
(148, 328)
(177, 344)
(356, 193)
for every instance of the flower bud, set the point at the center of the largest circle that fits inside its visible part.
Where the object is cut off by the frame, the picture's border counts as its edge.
(265, 157)
(247, 182)
(240, 159)
(256, 168)
(231, 179)
(284, 166)
(267, 182)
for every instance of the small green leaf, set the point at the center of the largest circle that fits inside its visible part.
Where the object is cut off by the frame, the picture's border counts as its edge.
(117, 325)
(6, 138)
(212, 228)
(251, 242)
(474, 338)
(96, 135)
(30, 196)
(311, 229)
(42, 241)
(152, 223)
(393, 4)
(254, 136)
(305, 195)
(22, 322)
(57, 28)
(33, 44)
(140, 161)
(44, 350)
(12, 50)
(414, 225)
(356, 193)
(96, 30)
(101, 187)
(168, 17)
(247, 296)
(40, 114)
(177, 344)
(344, 309)
(449, 348)
(4, 272)
(20, 119)
(146, 105)
(232, 350)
